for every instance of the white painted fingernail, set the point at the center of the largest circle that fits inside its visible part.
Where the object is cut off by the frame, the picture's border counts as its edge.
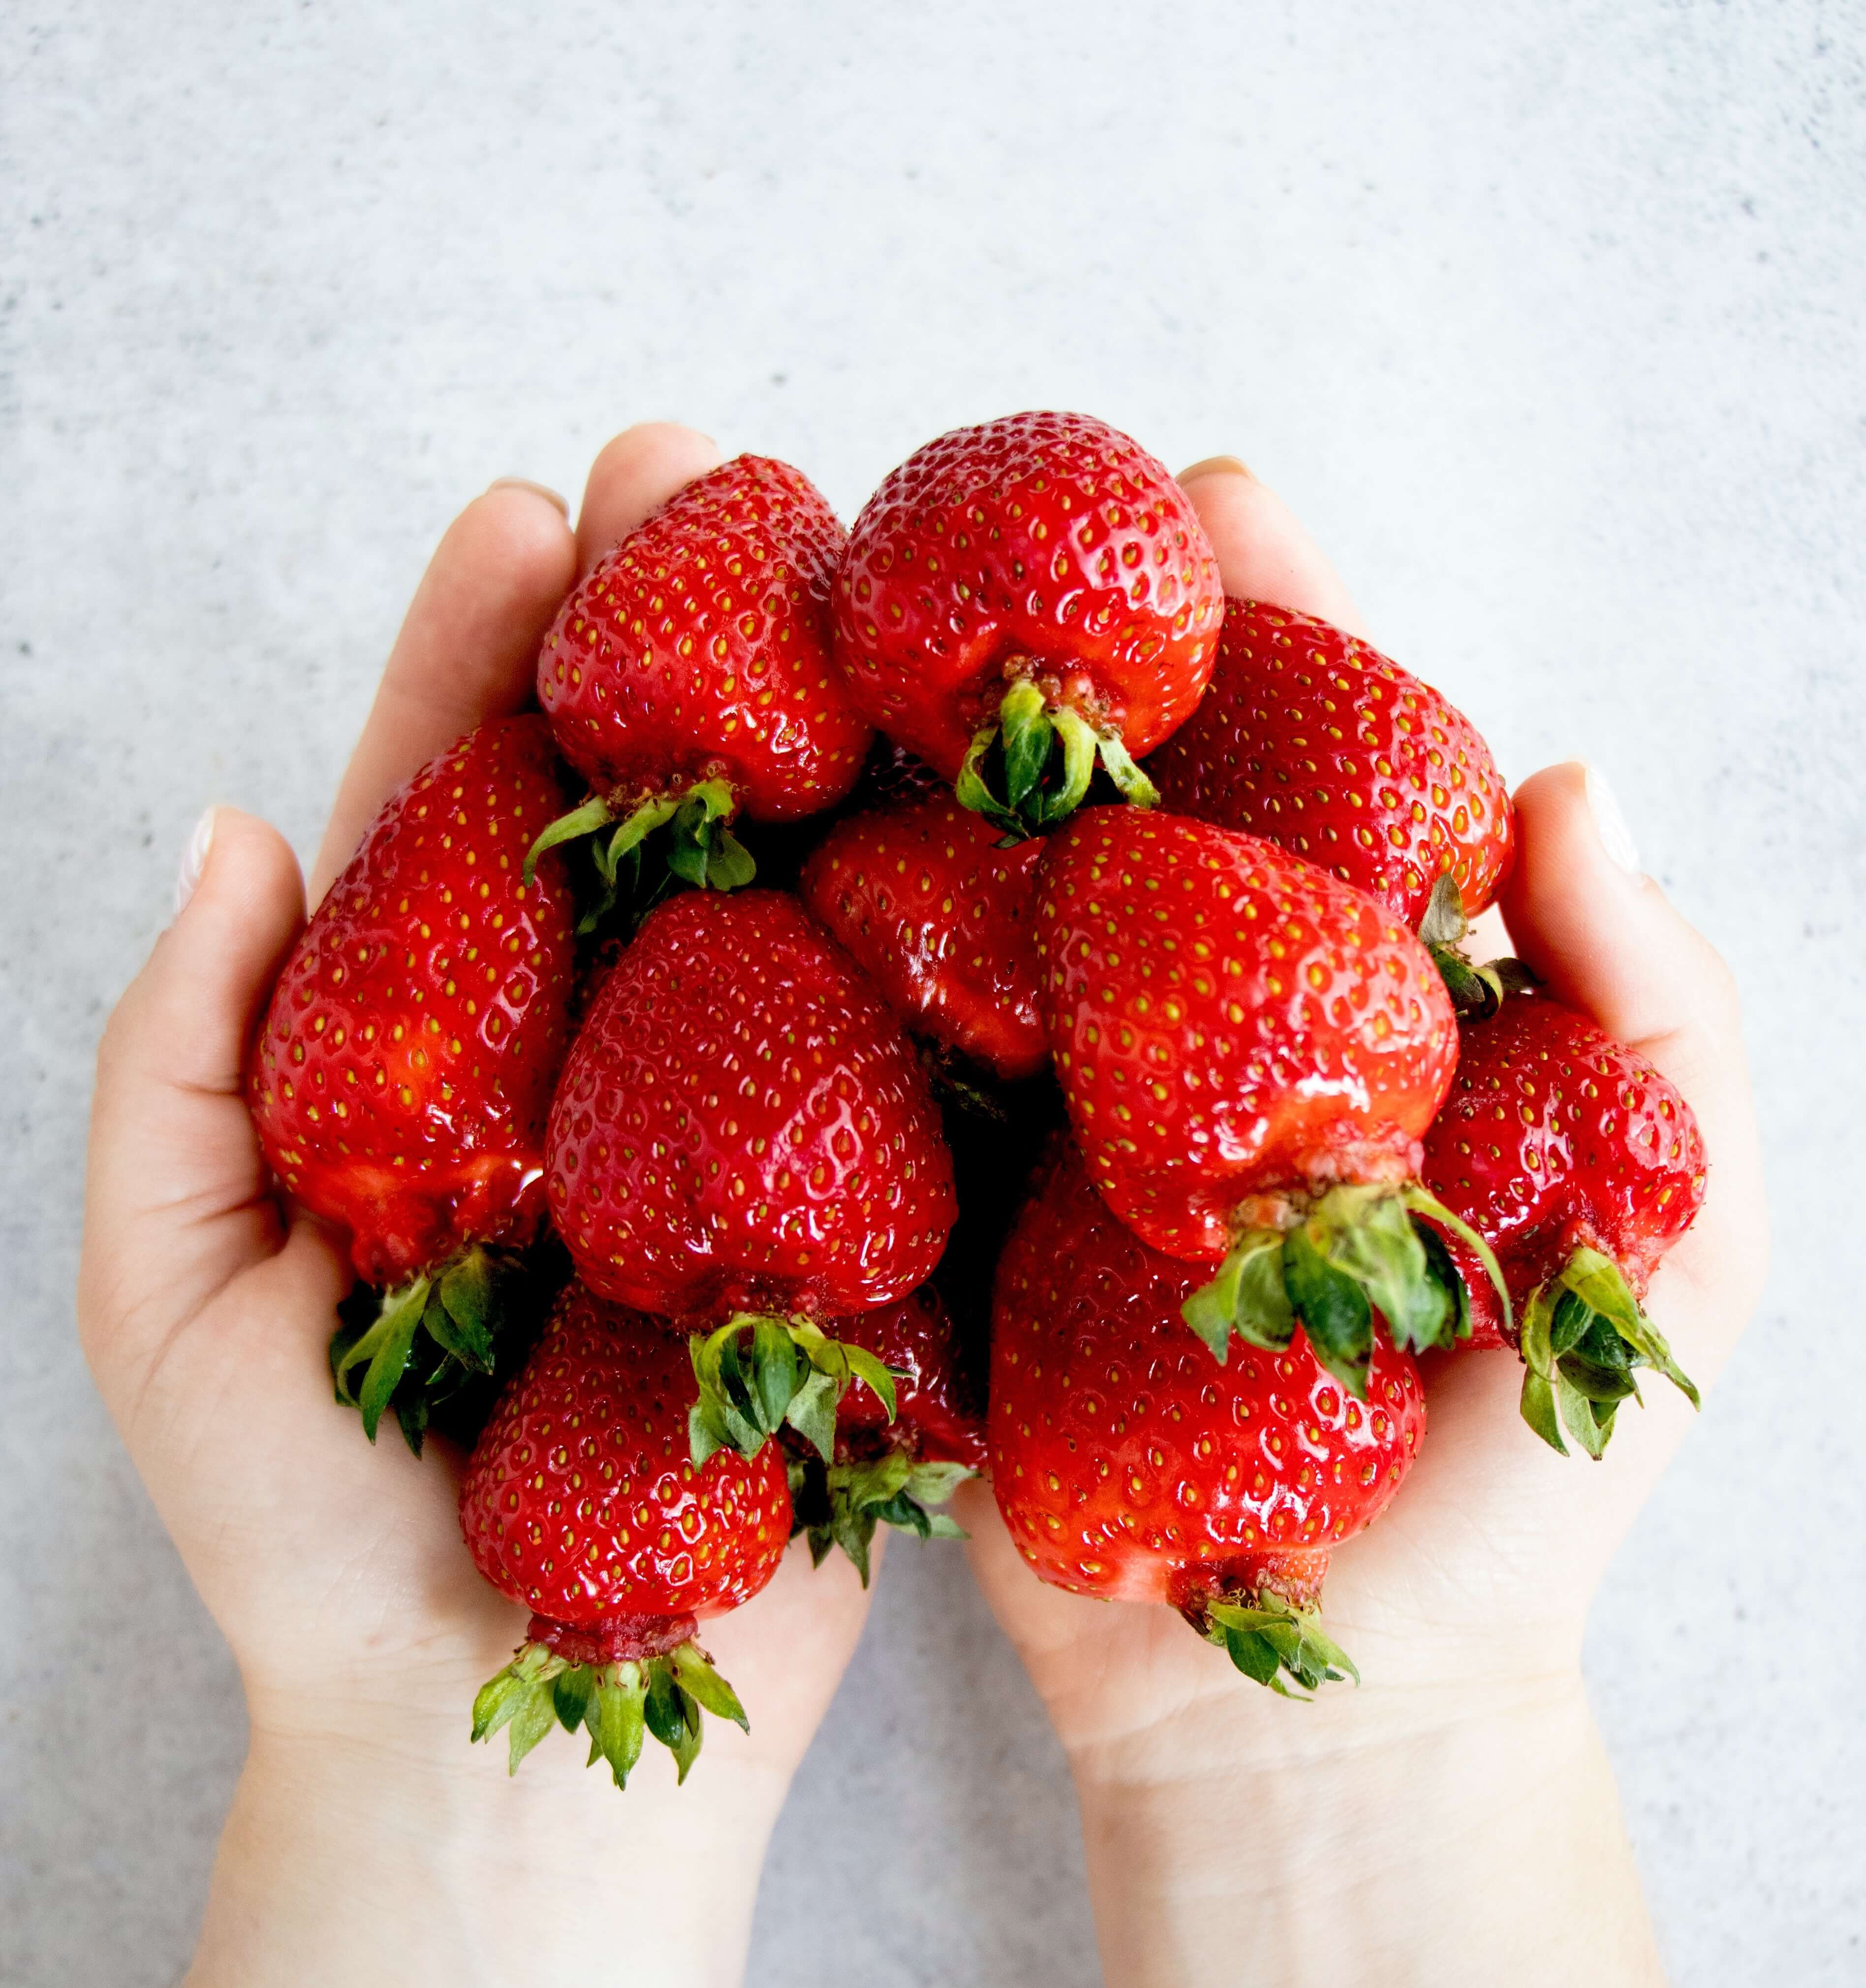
(193, 860)
(1609, 824)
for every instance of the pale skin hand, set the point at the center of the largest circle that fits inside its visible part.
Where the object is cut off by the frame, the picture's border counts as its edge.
(368, 1842)
(1455, 1819)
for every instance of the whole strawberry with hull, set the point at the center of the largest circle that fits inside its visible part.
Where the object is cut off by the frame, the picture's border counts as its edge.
(1251, 1051)
(401, 1078)
(743, 1133)
(688, 677)
(1129, 1467)
(1311, 739)
(1581, 1166)
(928, 901)
(582, 1502)
(1024, 598)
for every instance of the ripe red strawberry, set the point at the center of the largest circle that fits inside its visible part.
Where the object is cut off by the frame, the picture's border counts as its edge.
(1581, 1166)
(742, 1130)
(1313, 741)
(582, 1502)
(1019, 598)
(1251, 1050)
(938, 914)
(401, 1081)
(688, 677)
(895, 1472)
(1130, 1467)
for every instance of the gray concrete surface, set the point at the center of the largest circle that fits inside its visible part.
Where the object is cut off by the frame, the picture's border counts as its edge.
(1547, 315)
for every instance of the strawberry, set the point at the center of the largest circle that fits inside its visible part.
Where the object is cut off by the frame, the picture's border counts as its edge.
(1251, 1051)
(1580, 1166)
(1313, 741)
(1020, 599)
(742, 1132)
(1129, 1467)
(581, 1501)
(399, 1083)
(938, 914)
(688, 677)
(894, 1471)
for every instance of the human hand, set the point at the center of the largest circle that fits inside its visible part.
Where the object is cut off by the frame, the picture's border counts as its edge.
(1454, 1819)
(368, 1841)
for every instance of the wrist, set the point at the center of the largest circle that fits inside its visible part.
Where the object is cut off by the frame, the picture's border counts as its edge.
(1440, 1833)
(404, 1854)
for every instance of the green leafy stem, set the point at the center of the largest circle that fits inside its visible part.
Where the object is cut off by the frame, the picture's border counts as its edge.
(1273, 1641)
(453, 1312)
(699, 848)
(846, 1502)
(1583, 1335)
(615, 1703)
(1030, 766)
(790, 1374)
(1476, 991)
(1354, 1250)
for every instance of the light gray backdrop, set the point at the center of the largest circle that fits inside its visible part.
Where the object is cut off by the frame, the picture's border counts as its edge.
(1547, 316)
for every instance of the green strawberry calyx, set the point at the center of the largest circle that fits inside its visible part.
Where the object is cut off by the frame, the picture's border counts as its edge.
(699, 847)
(1030, 767)
(788, 1373)
(1476, 991)
(1276, 1643)
(1584, 1334)
(429, 1339)
(1332, 1261)
(841, 1503)
(616, 1702)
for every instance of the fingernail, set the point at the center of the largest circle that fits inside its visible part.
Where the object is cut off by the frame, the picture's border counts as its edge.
(543, 490)
(1215, 465)
(1609, 824)
(194, 860)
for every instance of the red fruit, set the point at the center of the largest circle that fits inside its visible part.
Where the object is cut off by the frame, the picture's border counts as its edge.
(1251, 1051)
(1580, 1166)
(939, 916)
(894, 1471)
(401, 1081)
(1129, 1466)
(581, 1501)
(1313, 741)
(690, 673)
(742, 1129)
(1040, 581)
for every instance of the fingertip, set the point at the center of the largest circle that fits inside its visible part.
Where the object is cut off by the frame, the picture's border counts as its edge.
(1263, 553)
(634, 475)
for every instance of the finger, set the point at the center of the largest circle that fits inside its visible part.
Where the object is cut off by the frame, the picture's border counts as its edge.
(468, 650)
(1263, 554)
(1605, 940)
(177, 1199)
(634, 475)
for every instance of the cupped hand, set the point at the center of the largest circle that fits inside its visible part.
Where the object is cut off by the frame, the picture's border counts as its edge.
(1468, 1742)
(336, 1571)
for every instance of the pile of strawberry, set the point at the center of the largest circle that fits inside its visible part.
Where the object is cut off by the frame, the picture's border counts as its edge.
(711, 1090)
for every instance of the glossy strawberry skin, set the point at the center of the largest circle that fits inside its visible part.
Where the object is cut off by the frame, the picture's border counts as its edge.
(699, 648)
(743, 1124)
(401, 1081)
(1227, 1021)
(1313, 740)
(1050, 537)
(939, 916)
(1556, 1137)
(936, 1410)
(1129, 1465)
(581, 1499)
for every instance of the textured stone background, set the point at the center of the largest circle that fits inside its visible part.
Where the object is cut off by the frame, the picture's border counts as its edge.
(1548, 317)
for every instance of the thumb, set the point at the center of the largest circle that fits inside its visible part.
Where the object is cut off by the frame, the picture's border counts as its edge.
(1605, 939)
(177, 1199)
